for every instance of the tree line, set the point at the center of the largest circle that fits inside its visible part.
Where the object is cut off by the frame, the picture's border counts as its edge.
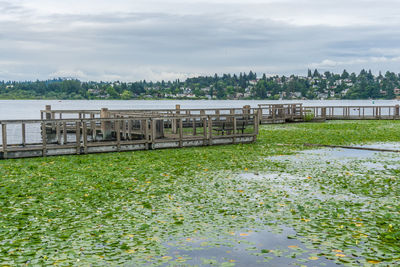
(314, 85)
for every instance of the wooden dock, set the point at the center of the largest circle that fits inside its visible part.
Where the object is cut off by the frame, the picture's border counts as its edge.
(128, 130)
(66, 132)
(273, 113)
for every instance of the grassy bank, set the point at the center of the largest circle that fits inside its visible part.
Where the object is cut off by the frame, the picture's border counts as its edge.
(123, 207)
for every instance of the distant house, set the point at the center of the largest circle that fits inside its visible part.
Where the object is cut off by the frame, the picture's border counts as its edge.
(396, 91)
(253, 82)
(239, 95)
(322, 95)
(338, 82)
(296, 94)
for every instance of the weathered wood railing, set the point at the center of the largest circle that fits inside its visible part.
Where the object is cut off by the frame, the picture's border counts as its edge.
(49, 113)
(48, 137)
(355, 112)
(268, 113)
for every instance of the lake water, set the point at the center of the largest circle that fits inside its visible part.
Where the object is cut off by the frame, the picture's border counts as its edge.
(30, 109)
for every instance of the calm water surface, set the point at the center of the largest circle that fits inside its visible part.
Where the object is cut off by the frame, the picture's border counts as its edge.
(30, 109)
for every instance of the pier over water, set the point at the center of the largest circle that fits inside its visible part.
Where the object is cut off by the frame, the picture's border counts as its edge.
(67, 132)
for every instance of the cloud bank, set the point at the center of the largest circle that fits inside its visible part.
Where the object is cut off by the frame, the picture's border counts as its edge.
(155, 40)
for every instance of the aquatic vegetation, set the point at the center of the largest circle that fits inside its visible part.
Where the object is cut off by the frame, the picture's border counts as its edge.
(127, 207)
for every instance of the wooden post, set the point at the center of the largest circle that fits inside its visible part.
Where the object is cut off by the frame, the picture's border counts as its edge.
(78, 137)
(273, 113)
(44, 139)
(4, 139)
(58, 134)
(181, 133)
(234, 130)
(65, 133)
(146, 132)
(130, 129)
(153, 130)
(84, 132)
(255, 130)
(217, 112)
(23, 134)
(48, 112)
(232, 112)
(123, 124)
(105, 125)
(174, 121)
(187, 120)
(204, 130)
(118, 133)
(396, 111)
(210, 129)
(323, 112)
(159, 128)
(53, 125)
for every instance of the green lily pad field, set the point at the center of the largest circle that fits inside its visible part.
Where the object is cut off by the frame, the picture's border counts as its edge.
(173, 207)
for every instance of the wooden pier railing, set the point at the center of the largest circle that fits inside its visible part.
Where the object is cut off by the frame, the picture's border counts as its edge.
(125, 132)
(267, 113)
(355, 112)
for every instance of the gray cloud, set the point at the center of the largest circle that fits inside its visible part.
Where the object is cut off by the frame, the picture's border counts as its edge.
(153, 45)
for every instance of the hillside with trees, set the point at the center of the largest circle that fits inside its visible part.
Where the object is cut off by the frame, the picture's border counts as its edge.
(315, 85)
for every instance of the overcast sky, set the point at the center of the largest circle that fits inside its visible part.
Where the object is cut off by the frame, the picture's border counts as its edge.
(168, 39)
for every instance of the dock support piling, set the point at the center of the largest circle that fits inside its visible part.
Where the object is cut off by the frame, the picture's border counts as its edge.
(44, 140)
(180, 132)
(84, 133)
(4, 139)
(23, 134)
(210, 129)
(78, 137)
